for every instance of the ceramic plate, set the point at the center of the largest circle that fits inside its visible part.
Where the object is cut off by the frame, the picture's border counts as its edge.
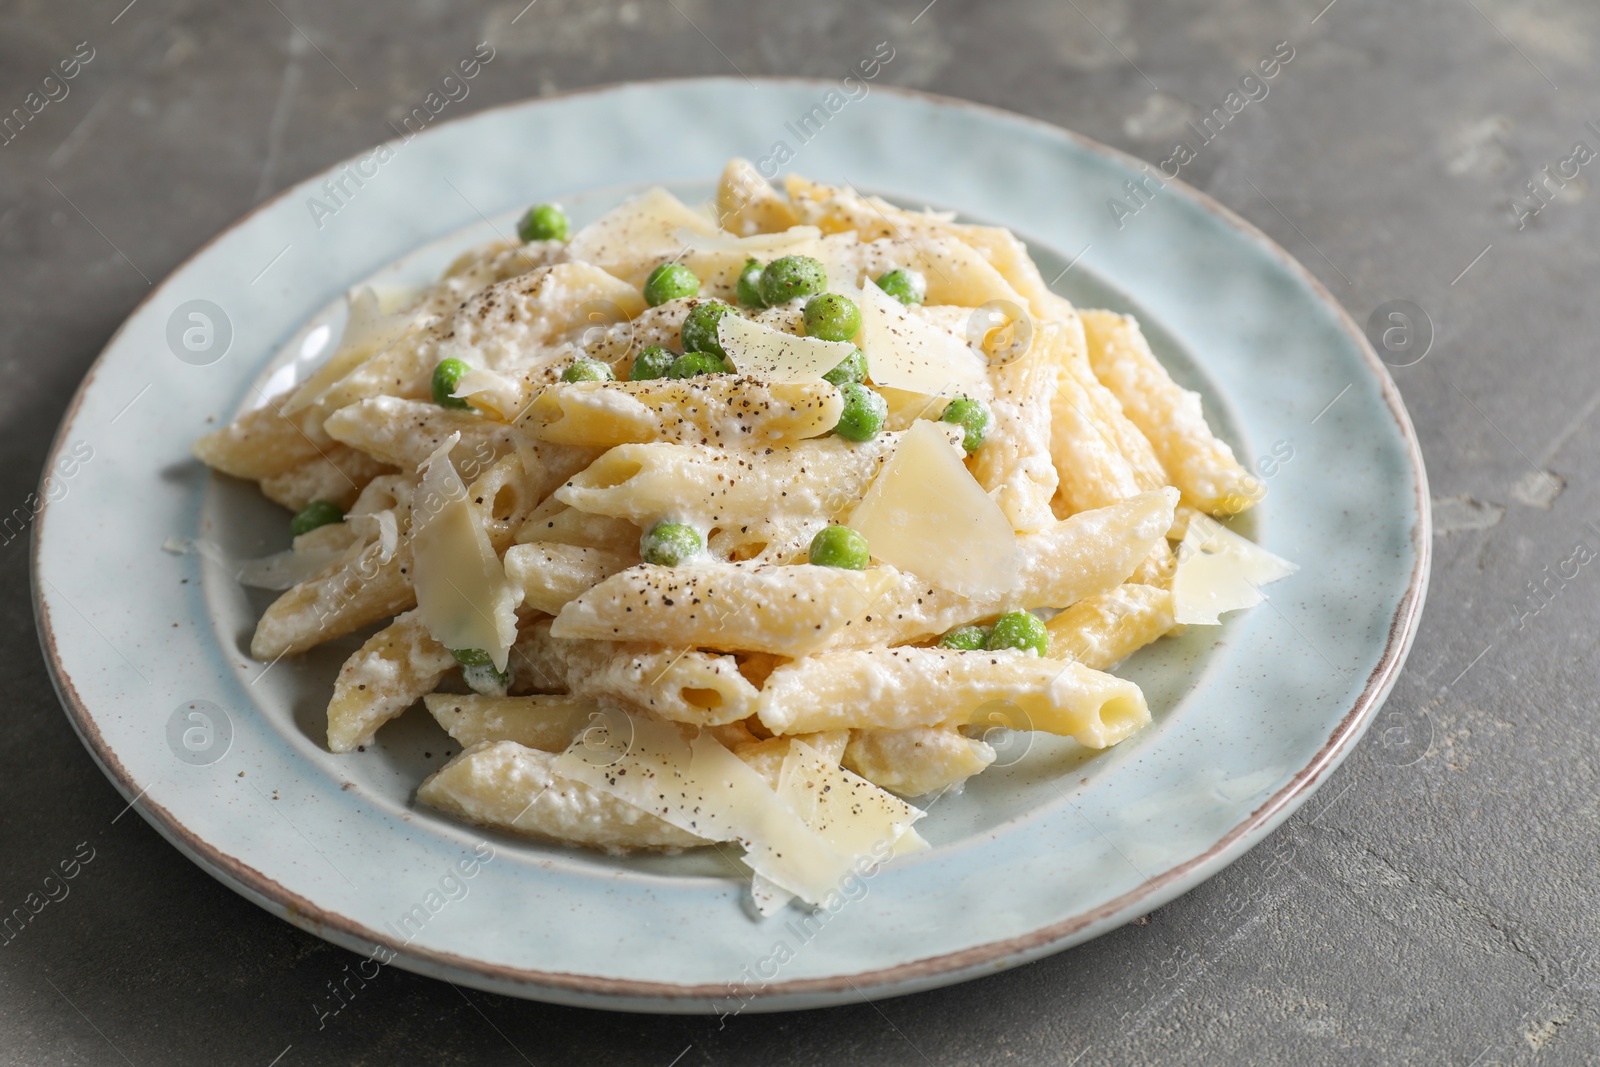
(224, 755)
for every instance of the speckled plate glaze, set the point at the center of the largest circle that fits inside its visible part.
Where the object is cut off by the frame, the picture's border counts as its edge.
(1052, 849)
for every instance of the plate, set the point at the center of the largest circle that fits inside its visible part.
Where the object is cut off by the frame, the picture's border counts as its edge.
(224, 756)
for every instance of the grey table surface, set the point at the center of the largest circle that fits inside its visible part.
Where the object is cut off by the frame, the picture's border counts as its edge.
(1436, 902)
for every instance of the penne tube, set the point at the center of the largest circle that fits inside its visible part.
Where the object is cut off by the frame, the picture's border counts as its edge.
(1014, 464)
(395, 668)
(1199, 463)
(716, 410)
(338, 474)
(672, 683)
(263, 442)
(553, 522)
(1100, 455)
(550, 575)
(809, 479)
(506, 786)
(785, 610)
(516, 327)
(361, 589)
(1103, 630)
(405, 432)
(896, 688)
(543, 722)
(916, 760)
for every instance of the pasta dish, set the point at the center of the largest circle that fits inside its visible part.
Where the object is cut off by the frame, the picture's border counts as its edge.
(748, 523)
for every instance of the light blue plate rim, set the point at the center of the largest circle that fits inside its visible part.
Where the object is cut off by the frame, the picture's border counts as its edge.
(897, 976)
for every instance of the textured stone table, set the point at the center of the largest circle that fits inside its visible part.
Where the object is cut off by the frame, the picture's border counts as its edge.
(1435, 903)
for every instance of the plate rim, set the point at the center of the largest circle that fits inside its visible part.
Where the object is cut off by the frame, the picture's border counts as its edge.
(906, 977)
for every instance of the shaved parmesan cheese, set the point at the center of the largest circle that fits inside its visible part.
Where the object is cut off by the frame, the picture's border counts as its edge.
(926, 514)
(491, 392)
(281, 570)
(761, 243)
(388, 531)
(463, 596)
(905, 352)
(701, 787)
(637, 235)
(285, 570)
(368, 330)
(1220, 571)
(848, 812)
(910, 842)
(768, 898)
(774, 356)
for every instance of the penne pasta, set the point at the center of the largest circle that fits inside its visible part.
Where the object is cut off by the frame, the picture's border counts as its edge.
(405, 432)
(554, 522)
(506, 786)
(785, 610)
(720, 411)
(647, 482)
(1015, 464)
(675, 684)
(395, 668)
(1200, 464)
(916, 760)
(550, 575)
(896, 688)
(338, 474)
(543, 722)
(1102, 630)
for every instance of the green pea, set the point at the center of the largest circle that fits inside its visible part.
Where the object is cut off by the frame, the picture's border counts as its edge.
(479, 672)
(588, 370)
(668, 544)
(965, 638)
(317, 513)
(832, 317)
(853, 368)
(1019, 629)
(840, 546)
(651, 362)
(446, 376)
(486, 681)
(973, 418)
(669, 282)
(863, 414)
(906, 286)
(699, 333)
(784, 279)
(694, 364)
(748, 290)
(547, 222)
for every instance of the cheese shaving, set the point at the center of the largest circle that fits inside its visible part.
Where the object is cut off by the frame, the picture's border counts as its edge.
(463, 596)
(1219, 571)
(848, 812)
(642, 230)
(701, 787)
(906, 352)
(926, 514)
(491, 392)
(388, 531)
(775, 356)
